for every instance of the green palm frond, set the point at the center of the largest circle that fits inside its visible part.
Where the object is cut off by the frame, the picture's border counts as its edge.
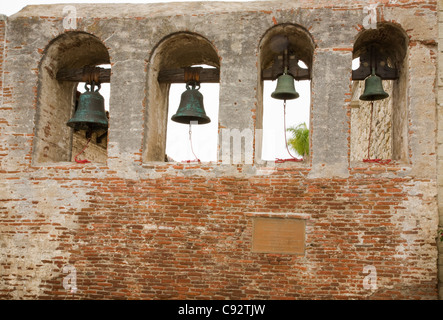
(300, 139)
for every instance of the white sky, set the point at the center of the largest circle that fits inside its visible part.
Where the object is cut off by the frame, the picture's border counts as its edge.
(204, 137)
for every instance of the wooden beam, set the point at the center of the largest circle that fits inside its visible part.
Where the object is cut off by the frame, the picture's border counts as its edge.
(374, 58)
(273, 72)
(78, 75)
(297, 72)
(207, 75)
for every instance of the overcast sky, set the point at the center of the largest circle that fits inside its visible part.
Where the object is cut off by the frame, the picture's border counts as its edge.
(204, 137)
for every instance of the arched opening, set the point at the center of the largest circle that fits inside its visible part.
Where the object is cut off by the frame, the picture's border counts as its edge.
(54, 141)
(167, 79)
(379, 127)
(203, 137)
(290, 45)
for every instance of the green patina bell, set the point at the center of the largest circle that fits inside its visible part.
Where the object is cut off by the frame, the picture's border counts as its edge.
(373, 89)
(90, 114)
(191, 107)
(285, 89)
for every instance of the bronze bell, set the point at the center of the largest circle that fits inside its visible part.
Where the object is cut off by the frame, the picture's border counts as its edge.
(90, 114)
(285, 89)
(191, 107)
(373, 89)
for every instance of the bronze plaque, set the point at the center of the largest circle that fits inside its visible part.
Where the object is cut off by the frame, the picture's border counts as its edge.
(276, 235)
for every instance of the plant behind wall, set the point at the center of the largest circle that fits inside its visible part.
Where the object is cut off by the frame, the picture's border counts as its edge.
(300, 139)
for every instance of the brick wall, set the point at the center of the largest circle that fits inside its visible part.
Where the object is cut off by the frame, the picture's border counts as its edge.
(142, 239)
(126, 228)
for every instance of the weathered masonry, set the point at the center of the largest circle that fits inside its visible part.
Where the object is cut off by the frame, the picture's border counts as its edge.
(129, 224)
